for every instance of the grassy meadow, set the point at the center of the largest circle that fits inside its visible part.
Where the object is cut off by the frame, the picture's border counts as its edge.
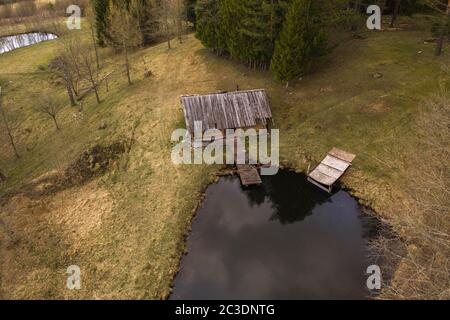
(126, 229)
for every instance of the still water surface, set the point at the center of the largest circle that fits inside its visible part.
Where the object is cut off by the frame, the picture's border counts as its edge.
(284, 240)
(23, 40)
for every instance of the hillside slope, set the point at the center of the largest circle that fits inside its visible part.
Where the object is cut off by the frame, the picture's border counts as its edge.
(126, 229)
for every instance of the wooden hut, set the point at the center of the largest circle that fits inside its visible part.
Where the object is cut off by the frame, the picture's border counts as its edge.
(230, 110)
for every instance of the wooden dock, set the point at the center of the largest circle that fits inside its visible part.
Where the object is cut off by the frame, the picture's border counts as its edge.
(249, 175)
(331, 169)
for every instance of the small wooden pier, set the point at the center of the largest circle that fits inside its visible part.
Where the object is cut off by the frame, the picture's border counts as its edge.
(331, 169)
(249, 175)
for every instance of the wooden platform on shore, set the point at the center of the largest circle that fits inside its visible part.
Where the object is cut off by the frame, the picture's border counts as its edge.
(331, 169)
(249, 175)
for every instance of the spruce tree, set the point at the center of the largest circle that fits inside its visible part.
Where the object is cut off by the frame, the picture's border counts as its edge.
(208, 28)
(190, 11)
(251, 28)
(101, 20)
(302, 40)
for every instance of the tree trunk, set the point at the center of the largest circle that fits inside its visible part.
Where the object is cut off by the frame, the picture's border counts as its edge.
(11, 139)
(56, 123)
(95, 47)
(395, 13)
(8, 129)
(70, 94)
(97, 96)
(356, 8)
(127, 64)
(442, 37)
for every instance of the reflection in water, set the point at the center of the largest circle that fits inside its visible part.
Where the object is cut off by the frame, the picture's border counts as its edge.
(284, 240)
(22, 40)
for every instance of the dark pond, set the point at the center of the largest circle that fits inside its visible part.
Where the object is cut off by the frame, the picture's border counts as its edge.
(284, 240)
(23, 40)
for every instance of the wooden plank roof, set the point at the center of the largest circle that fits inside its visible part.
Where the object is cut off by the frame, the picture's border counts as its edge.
(229, 110)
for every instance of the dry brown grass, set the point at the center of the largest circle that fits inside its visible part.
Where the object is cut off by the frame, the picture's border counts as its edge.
(129, 225)
(424, 225)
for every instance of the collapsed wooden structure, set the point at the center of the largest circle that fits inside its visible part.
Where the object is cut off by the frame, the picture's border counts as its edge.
(331, 169)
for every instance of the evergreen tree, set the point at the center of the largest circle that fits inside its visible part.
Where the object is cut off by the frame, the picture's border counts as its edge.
(190, 11)
(209, 26)
(246, 30)
(302, 40)
(101, 20)
(251, 42)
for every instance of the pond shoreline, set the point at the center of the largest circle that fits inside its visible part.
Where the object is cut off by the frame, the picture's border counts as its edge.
(366, 211)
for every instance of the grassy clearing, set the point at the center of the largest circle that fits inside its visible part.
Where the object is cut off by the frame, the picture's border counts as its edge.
(126, 229)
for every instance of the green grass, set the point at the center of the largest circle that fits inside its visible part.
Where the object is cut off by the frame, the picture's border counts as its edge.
(126, 229)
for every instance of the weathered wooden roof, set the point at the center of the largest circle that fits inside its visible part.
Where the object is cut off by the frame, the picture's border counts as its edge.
(332, 167)
(229, 110)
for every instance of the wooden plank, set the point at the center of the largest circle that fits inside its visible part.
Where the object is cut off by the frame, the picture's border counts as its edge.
(329, 171)
(322, 178)
(320, 185)
(249, 175)
(341, 154)
(331, 168)
(336, 163)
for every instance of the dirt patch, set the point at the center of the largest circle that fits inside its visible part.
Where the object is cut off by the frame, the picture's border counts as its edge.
(92, 162)
(2, 177)
(376, 107)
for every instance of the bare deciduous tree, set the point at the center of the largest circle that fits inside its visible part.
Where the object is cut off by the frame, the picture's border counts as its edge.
(61, 68)
(9, 125)
(50, 107)
(125, 32)
(397, 4)
(91, 20)
(444, 8)
(90, 72)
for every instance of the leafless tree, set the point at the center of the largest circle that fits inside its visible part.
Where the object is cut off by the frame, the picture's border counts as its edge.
(68, 65)
(179, 16)
(397, 4)
(9, 125)
(47, 105)
(90, 72)
(165, 21)
(442, 7)
(91, 20)
(62, 69)
(125, 32)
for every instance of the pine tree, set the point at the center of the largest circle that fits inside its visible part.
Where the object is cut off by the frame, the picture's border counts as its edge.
(209, 28)
(302, 40)
(190, 11)
(252, 36)
(101, 20)
(246, 30)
